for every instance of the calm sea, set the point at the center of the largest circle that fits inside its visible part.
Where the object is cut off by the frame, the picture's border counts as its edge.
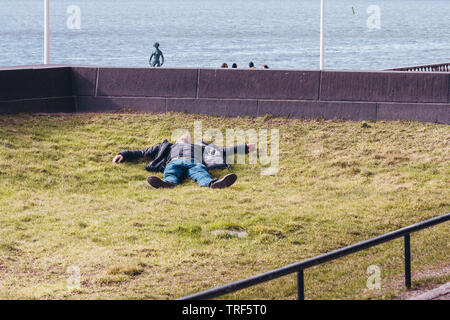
(360, 34)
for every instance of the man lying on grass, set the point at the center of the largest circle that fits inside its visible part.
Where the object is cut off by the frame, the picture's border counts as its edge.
(183, 158)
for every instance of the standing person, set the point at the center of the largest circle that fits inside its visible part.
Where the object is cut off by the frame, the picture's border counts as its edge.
(157, 57)
(181, 159)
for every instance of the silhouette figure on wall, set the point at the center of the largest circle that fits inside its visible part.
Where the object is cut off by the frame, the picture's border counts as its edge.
(157, 57)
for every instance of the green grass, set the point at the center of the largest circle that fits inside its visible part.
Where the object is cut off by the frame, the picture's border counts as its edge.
(63, 203)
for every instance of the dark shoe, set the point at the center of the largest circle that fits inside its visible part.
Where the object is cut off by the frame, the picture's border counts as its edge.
(225, 182)
(157, 183)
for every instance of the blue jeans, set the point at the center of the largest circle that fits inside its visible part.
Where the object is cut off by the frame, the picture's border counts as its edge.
(176, 170)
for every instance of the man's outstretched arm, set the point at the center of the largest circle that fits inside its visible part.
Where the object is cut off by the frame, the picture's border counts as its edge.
(130, 155)
(247, 148)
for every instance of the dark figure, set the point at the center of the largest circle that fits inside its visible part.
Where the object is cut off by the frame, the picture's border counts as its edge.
(234, 66)
(251, 65)
(157, 57)
(224, 65)
(181, 159)
(266, 66)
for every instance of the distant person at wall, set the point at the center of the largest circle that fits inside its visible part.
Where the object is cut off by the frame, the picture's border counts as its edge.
(251, 65)
(234, 66)
(180, 159)
(266, 66)
(224, 66)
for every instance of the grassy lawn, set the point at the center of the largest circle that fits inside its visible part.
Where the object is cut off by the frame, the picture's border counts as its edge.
(63, 203)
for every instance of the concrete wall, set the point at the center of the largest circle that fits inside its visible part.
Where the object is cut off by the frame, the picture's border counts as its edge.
(36, 89)
(384, 95)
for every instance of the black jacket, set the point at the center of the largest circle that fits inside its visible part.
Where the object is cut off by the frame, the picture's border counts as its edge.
(214, 157)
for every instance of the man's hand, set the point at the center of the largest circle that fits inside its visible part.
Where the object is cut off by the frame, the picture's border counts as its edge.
(251, 147)
(118, 159)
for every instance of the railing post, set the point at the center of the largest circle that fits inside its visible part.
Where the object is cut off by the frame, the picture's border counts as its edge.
(300, 285)
(407, 261)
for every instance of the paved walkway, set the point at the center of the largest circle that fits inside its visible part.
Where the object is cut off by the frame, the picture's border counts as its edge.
(440, 293)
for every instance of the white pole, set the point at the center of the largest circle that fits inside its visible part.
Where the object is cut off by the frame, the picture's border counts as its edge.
(322, 30)
(46, 32)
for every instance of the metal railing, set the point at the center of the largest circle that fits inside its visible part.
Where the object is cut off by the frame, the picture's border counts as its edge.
(441, 67)
(299, 267)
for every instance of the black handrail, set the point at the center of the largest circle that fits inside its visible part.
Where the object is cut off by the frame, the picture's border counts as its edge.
(440, 67)
(311, 262)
